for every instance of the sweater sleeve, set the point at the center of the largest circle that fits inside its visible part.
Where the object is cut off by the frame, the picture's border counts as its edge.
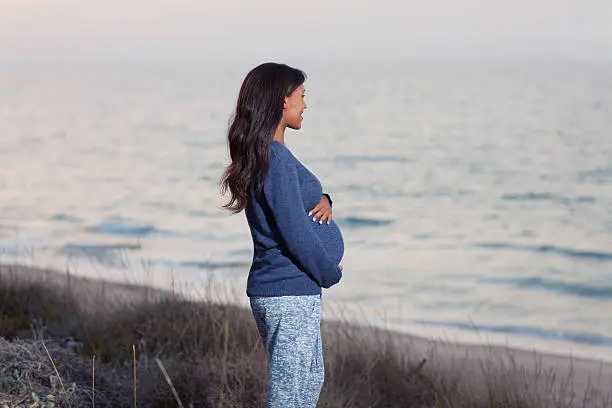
(282, 191)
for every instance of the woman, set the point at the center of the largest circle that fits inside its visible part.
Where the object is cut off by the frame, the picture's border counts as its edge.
(297, 246)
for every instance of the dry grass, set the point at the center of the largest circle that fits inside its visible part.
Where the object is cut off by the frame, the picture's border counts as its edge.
(171, 352)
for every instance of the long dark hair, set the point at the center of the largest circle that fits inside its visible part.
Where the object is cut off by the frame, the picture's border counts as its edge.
(258, 112)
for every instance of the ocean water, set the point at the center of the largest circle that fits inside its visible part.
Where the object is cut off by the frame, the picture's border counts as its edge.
(475, 199)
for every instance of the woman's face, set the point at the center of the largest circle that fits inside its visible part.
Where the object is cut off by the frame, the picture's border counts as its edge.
(294, 108)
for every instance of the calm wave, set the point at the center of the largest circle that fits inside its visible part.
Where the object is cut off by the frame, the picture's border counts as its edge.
(471, 198)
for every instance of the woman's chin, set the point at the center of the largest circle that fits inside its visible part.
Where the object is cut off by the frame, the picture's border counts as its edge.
(296, 126)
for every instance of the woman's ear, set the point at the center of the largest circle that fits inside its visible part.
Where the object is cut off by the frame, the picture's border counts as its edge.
(285, 103)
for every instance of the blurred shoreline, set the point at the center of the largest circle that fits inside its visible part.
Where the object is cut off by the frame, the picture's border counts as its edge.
(483, 213)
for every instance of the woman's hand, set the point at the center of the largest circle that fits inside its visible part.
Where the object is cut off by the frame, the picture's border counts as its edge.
(322, 212)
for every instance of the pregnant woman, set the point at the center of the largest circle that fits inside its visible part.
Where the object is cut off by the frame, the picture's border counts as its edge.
(297, 245)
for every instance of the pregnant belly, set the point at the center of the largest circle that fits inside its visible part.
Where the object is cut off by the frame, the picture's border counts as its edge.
(332, 240)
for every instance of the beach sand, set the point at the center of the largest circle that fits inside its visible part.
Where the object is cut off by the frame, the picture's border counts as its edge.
(476, 364)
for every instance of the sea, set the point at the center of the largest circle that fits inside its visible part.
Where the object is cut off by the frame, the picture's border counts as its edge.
(475, 198)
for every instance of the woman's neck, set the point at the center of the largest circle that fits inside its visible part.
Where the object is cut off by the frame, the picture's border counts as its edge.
(279, 135)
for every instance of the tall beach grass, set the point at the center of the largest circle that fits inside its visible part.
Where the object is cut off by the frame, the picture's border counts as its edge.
(66, 345)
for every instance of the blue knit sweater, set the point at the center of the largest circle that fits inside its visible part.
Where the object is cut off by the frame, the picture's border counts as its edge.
(292, 254)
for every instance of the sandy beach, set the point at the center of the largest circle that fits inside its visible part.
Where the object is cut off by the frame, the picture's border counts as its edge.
(475, 364)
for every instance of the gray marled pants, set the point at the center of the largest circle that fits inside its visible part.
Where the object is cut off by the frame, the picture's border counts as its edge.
(290, 329)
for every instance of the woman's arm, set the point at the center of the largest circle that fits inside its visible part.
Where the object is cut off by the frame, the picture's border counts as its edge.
(326, 195)
(295, 226)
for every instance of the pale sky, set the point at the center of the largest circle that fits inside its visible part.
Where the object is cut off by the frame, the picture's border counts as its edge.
(32, 30)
